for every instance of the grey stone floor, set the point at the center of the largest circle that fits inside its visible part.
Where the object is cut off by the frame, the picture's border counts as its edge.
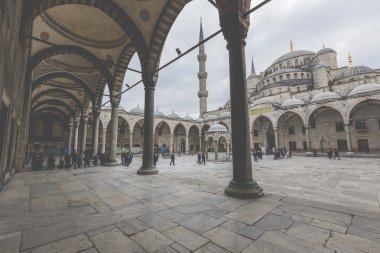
(311, 205)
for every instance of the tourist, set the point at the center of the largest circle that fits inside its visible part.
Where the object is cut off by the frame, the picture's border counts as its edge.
(330, 154)
(199, 157)
(79, 161)
(61, 163)
(203, 159)
(96, 158)
(155, 158)
(86, 160)
(123, 158)
(336, 154)
(172, 158)
(50, 162)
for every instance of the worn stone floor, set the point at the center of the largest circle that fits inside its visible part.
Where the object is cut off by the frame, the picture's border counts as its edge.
(311, 205)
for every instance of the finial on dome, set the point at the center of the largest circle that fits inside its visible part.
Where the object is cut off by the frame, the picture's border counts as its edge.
(253, 72)
(349, 60)
(291, 46)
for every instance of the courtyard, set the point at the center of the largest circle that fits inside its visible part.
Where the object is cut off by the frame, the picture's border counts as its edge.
(310, 205)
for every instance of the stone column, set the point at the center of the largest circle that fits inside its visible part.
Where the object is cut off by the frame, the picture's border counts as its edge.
(235, 27)
(348, 137)
(171, 143)
(252, 137)
(276, 137)
(308, 142)
(70, 137)
(216, 149)
(187, 144)
(115, 101)
(130, 140)
(228, 150)
(147, 167)
(104, 135)
(84, 133)
(95, 133)
(76, 131)
(200, 143)
(264, 134)
(206, 150)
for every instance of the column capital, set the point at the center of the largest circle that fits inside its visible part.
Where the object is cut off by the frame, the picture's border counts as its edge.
(233, 21)
(150, 80)
(115, 99)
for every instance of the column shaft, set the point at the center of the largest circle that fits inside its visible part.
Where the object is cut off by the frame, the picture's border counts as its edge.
(76, 131)
(104, 135)
(130, 140)
(69, 139)
(84, 134)
(113, 137)
(95, 135)
(216, 149)
(348, 137)
(147, 166)
(276, 137)
(308, 142)
(187, 144)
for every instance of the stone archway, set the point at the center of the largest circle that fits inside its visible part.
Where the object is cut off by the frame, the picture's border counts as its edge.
(194, 145)
(179, 138)
(263, 134)
(162, 135)
(291, 132)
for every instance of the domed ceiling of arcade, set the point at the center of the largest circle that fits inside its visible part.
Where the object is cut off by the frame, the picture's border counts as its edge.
(79, 47)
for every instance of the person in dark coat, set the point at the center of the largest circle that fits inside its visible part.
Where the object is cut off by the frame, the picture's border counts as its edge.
(155, 158)
(336, 154)
(203, 159)
(199, 158)
(86, 160)
(61, 163)
(50, 162)
(96, 158)
(172, 158)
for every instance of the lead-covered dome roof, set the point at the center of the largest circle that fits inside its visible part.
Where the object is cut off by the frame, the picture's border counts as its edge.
(137, 110)
(293, 54)
(325, 51)
(325, 96)
(217, 128)
(188, 118)
(265, 100)
(352, 71)
(292, 102)
(157, 113)
(364, 89)
(174, 116)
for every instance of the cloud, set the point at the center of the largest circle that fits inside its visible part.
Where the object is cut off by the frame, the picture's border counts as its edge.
(346, 26)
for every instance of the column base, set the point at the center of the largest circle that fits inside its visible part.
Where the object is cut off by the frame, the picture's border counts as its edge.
(147, 171)
(245, 190)
(112, 163)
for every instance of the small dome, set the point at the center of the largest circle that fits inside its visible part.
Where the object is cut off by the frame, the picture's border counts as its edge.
(225, 115)
(293, 54)
(137, 110)
(188, 118)
(211, 117)
(173, 116)
(217, 128)
(200, 120)
(293, 102)
(325, 51)
(364, 89)
(157, 113)
(122, 109)
(325, 96)
(356, 70)
(265, 100)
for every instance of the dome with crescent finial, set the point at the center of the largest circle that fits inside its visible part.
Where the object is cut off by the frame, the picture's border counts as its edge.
(137, 110)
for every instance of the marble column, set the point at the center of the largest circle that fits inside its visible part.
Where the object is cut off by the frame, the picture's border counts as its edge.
(104, 135)
(187, 144)
(76, 132)
(252, 139)
(235, 27)
(95, 133)
(200, 143)
(216, 148)
(206, 151)
(115, 101)
(70, 137)
(228, 150)
(84, 133)
(348, 137)
(276, 137)
(147, 167)
(171, 143)
(130, 140)
(308, 142)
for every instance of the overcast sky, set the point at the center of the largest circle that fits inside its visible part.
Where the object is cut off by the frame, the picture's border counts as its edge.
(344, 25)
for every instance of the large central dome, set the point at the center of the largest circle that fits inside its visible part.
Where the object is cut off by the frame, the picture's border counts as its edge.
(293, 54)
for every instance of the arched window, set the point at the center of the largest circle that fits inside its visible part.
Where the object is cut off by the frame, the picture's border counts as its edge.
(274, 79)
(288, 63)
(296, 62)
(295, 76)
(281, 78)
(302, 76)
(287, 76)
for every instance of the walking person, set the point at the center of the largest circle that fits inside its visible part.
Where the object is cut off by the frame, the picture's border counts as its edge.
(172, 158)
(336, 154)
(199, 158)
(203, 159)
(155, 158)
(50, 162)
(96, 158)
(86, 160)
(61, 163)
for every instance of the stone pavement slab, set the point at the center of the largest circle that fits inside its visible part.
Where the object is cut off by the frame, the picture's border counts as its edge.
(10, 243)
(69, 245)
(227, 239)
(186, 238)
(151, 240)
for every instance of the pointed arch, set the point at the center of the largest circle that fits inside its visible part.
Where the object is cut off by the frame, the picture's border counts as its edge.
(57, 90)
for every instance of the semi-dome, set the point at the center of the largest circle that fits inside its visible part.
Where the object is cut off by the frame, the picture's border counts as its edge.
(297, 53)
(292, 102)
(217, 128)
(211, 117)
(325, 51)
(364, 89)
(173, 116)
(188, 118)
(284, 71)
(225, 115)
(265, 100)
(199, 120)
(325, 96)
(137, 110)
(157, 113)
(352, 71)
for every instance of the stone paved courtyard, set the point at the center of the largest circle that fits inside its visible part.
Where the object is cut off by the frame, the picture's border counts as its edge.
(311, 205)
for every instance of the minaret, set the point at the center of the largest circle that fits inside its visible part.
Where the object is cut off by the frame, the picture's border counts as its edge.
(202, 76)
(253, 72)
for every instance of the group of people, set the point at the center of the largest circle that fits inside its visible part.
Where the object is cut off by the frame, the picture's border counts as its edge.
(257, 154)
(126, 158)
(281, 153)
(330, 154)
(201, 158)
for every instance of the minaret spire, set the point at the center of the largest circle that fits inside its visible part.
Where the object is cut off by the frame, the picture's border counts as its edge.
(291, 46)
(202, 75)
(253, 72)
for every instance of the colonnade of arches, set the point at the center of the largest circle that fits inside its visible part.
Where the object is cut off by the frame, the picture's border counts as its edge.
(352, 129)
